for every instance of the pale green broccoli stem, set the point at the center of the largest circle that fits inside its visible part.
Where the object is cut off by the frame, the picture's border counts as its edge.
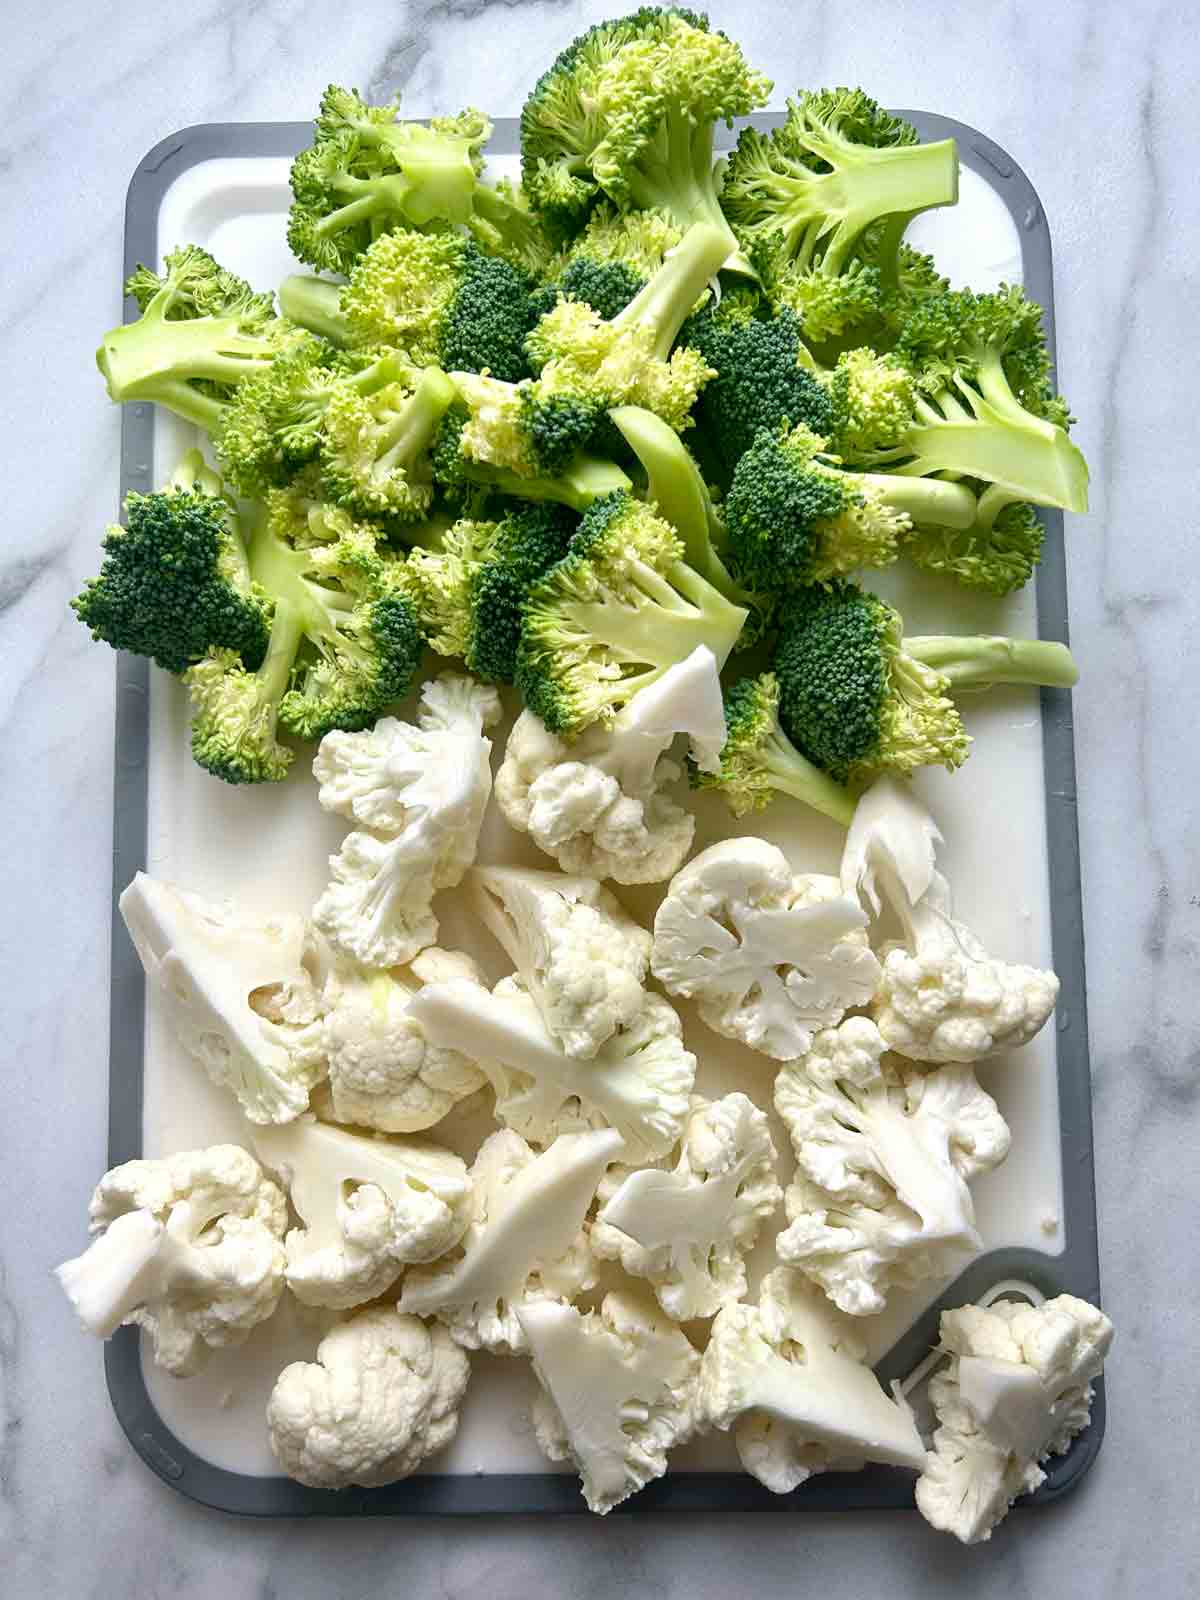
(437, 178)
(684, 611)
(792, 774)
(926, 500)
(584, 480)
(412, 429)
(192, 472)
(976, 661)
(896, 180)
(666, 301)
(315, 304)
(153, 359)
(303, 609)
(675, 175)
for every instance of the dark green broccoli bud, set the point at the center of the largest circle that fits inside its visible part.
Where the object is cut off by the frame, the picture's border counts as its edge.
(610, 262)
(996, 559)
(759, 761)
(201, 333)
(613, 615)
(175, 581)
(857, 698)
(442, 302)
(367, 173)
(628, 111)
(376, 447)
(794, 518)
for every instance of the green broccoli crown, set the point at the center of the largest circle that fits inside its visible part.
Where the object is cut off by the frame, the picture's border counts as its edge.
(872, 399)
(759, 761)
(376, 453)
(441, 301)
(606, 286)
(366, 173)
(760, 383)
(835, 166)
(996, 559)
(528, 542)
(175, 582)
(851, 699)
(202, 332)
(610, 262)
(613, 615)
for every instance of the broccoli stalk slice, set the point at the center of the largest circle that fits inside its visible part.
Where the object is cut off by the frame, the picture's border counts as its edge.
(677, 616)
(977, 661)
(665, 302)
(674, 174)
(314, 303)
(157, 359)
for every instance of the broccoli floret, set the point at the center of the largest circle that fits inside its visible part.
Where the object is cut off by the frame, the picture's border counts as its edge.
(628, 111)
(175, 581)
(376, 447)
(629, 359)
(857, 698)
(996, 559)
(472, 590)
(613, 615)
(345, 643)
(763, 379)
(837, 166)
(795, 519)
(439, 299)
(505, 437)
(367, 173)
(872, 398)
(503, 224)
(985, 407)
(202, 332)
(610, 261)
(759, 761)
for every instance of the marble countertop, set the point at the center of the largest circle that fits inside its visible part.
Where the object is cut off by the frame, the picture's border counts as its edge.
(1097, 100)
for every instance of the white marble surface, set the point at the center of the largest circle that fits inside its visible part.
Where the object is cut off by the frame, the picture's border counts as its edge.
(1098, 101)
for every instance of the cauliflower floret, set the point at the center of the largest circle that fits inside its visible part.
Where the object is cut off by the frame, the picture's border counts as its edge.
(189, 1250)
(788, 1376)
(639, 1082)
(941, 997)
(619, 1392)
(383, 1072)
(368, 1208)
(883, 1152)
(770, 956)
(424, 792)
(525, 1242)
(1016, 1390)
(382, 1395)
(579, 953)
(239, 995)
(688, 1231)
(600, 805)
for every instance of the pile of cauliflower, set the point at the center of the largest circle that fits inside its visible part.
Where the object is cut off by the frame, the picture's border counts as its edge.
(603, 1230)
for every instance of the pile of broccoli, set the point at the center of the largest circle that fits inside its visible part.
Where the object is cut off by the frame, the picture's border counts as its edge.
(567, 429)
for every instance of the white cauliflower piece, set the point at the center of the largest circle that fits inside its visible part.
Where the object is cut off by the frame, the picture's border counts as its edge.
(383, 1072)
(578, 952)
(639, 1081)
(1016, 1390)
(600, 805)
(619, 1392)
(688, 1231)
(941, 996)
(240, 995)
(525, 1242)
(788, 1376)
(771, 956)
(423, 791)
(883, 1152)
(189, 1250)
(382, 1395)
(368, 1208)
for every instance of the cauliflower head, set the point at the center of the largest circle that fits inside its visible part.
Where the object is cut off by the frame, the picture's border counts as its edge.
(383, 1072)
(788, 1376)
(883, 1154)
(382, 1395)
(240, 995)
(525, 1242)
(368, 1208)
(189, 1250)
(688, 1231)
(770, 956)
(580, 955)
(619, 1392)
(1016, 1390)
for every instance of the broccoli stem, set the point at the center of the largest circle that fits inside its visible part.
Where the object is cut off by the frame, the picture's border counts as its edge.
(793, 775)
(976, 661)
(666, 302)
(926, 500)
(156, 360)
(675, 175)
(895, 180)
(413, 428)
(680, 613)
(315, 304)
(584, 480)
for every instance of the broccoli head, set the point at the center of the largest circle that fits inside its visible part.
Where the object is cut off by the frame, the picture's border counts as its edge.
(628, 111)
(202, 332)
(376, 448)
(367, 173)
(759, 761)
(175, 581)
(613, 615)
(996, 558)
